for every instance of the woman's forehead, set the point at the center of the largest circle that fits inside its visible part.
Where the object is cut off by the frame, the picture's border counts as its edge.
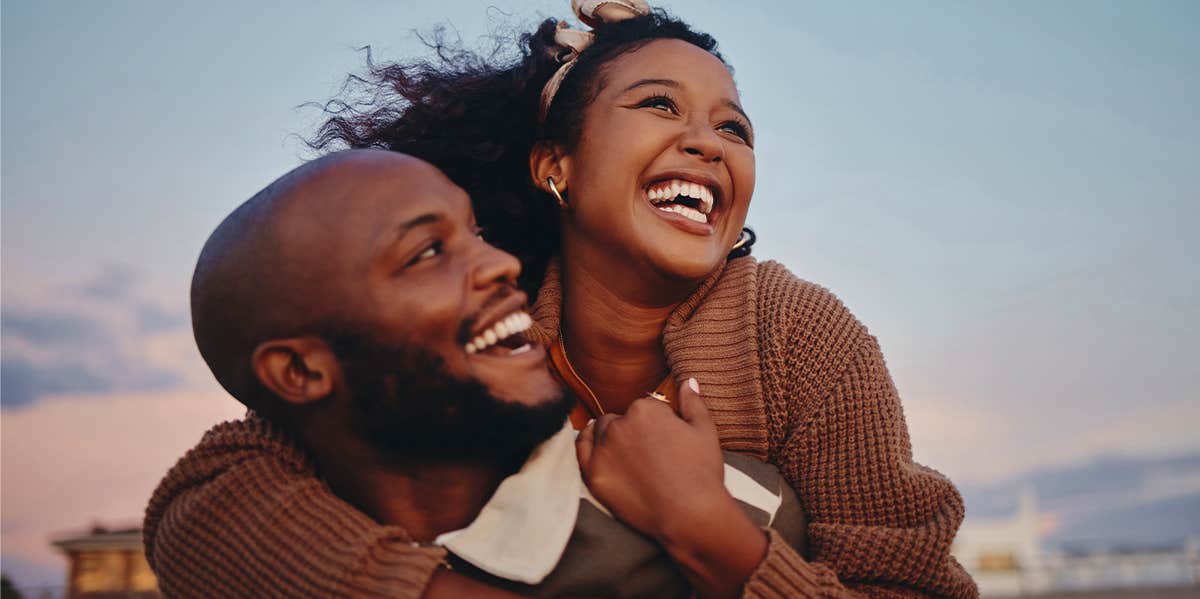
(669, 60)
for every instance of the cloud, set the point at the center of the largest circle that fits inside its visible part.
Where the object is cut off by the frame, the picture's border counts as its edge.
(113, 282)
(99, 337)
(55, 329)
(73, 460)
(154, 319)
(21, 382)
(102, 390)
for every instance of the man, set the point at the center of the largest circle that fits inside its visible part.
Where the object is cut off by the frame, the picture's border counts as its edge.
(379, 341)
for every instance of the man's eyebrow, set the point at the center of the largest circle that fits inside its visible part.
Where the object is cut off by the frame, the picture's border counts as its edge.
(645, 82)
(411, 224)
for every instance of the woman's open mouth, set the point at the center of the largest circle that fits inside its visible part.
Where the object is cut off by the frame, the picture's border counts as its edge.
(691, 200)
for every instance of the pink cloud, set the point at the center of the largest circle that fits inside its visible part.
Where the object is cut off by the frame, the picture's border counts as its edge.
(71, 461)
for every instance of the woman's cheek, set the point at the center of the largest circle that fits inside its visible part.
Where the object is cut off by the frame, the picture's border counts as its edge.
(743, 184)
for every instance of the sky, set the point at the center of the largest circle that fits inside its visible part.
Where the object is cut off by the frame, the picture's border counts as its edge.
(1004, 193)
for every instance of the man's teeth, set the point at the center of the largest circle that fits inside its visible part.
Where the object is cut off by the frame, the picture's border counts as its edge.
(517, 322)
(669, 190)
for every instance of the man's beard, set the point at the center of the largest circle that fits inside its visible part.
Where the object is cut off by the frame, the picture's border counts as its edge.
(409, 406)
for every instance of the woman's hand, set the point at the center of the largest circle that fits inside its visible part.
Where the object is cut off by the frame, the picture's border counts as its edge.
(663, 475)
(650, 464)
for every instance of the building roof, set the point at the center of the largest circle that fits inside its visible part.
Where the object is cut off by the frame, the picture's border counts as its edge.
(102, 538)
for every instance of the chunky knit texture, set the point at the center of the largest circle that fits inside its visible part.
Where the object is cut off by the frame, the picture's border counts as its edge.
(243, 514)
(788, 374)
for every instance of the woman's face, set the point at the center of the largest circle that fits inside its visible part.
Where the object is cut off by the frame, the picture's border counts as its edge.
(663, 173)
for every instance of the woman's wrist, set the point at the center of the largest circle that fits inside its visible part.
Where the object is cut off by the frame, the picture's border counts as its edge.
(715, 543)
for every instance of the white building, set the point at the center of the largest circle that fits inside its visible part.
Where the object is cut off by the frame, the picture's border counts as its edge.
(1006, 558)
(1003, 554)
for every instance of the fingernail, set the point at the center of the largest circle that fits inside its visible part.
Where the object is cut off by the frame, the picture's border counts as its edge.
(693, 385)
(590, 422)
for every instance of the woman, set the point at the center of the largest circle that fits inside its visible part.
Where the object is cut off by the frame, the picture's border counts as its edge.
(619, 169)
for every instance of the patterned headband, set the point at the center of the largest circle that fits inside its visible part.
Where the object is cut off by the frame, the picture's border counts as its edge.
(572, 42)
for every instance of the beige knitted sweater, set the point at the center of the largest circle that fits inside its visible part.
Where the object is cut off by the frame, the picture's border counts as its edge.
(788, 374)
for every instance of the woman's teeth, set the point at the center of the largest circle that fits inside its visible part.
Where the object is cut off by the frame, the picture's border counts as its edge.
(517, 322)
(677, 189)
(688, 213)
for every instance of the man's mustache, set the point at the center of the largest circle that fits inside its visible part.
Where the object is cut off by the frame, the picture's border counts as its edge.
(469, 323)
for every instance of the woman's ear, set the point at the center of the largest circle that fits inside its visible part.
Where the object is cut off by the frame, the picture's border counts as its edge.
(547, 160)
(298, 370)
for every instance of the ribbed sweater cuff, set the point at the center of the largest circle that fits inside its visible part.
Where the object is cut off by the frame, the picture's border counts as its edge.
(397, 570)
(783, 574)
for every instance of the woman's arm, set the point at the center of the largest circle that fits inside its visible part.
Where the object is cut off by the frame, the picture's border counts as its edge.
(880, 525)
(244, 515)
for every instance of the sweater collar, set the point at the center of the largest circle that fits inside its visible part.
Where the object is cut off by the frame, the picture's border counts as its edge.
(712, 336)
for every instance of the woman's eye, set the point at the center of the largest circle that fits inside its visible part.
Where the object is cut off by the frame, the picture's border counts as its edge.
(737, 129)
(660, 103)
(479, 233)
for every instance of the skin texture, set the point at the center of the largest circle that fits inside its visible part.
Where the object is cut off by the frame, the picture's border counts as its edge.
(626, 267)
(386, 244)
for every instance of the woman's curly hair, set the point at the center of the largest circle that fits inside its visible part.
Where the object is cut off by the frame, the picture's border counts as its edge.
(475, 117)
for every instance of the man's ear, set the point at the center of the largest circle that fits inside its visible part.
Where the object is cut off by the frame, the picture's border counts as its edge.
(299, 370)
(548, 160)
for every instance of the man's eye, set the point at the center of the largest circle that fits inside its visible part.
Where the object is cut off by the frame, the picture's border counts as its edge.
(427, 253)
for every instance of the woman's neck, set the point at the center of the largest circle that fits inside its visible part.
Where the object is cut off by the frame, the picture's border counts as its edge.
(613, 341)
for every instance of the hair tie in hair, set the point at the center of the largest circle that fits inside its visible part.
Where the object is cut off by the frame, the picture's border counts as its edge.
(572, 42)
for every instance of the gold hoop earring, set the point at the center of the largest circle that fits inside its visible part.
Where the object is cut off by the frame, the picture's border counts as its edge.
(742, 246)
(558, 196)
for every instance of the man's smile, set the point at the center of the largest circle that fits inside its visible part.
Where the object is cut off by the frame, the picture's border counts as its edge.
(505, 337)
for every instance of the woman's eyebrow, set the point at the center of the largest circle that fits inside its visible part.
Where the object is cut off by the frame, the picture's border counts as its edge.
(675, 84)
(645, 82)
(738, 109)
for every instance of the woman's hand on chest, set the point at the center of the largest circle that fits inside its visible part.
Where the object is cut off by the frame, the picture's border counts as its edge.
(663, 474)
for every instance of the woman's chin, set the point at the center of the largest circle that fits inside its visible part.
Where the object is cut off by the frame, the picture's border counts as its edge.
(690, 266)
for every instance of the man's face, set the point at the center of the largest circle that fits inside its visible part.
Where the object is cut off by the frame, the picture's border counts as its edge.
(434, 352)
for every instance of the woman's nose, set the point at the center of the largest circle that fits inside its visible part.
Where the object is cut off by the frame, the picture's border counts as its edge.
(702, 142)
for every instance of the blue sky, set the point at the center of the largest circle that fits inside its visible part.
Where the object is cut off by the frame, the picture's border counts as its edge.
(1004, 193)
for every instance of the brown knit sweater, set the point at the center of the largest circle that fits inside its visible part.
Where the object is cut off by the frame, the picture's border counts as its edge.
(788, 374)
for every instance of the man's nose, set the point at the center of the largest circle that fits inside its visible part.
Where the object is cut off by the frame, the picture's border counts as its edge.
(494, 265)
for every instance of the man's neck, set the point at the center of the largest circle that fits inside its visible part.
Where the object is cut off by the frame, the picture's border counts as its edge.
(431, 499)
(425, 497)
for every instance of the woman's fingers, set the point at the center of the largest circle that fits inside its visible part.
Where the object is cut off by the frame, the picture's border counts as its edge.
(584, 443)
(601, 425)
(692, 408)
